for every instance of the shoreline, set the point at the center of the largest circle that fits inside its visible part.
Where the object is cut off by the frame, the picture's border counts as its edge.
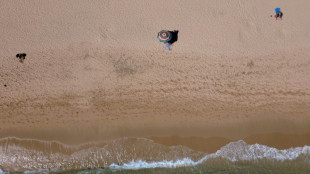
(208, 145)
(126, 153)
(211, 145)
(281, 134)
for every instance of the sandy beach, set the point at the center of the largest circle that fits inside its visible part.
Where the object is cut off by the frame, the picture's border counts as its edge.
(95, 71)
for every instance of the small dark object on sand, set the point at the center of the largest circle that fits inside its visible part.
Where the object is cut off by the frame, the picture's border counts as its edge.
(174, 36)
(5, 85)
(21, 56)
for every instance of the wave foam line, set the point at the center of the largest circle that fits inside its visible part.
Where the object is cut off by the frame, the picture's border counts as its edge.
(234, 151)
(3, 172)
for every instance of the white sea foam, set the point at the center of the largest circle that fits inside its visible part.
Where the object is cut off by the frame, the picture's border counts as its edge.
(135, 154)
(41, 171)
(235, 151)
(135, 165)
(2, 172)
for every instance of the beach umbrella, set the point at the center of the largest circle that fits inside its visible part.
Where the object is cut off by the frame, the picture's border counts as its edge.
(164, 36)
(277, 10)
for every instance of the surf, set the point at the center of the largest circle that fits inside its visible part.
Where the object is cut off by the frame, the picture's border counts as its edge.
(25, 155)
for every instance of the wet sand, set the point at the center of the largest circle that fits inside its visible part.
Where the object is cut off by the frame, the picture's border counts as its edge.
(212, 144)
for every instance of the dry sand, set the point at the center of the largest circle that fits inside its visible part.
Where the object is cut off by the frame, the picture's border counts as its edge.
(94, 70)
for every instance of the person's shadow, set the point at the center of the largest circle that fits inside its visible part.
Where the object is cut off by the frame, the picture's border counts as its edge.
(174, 36)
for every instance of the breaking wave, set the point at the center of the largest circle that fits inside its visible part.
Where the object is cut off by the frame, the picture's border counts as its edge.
(32, 156)
(234, 152)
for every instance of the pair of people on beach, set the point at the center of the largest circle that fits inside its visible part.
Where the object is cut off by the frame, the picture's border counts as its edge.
(21, 56)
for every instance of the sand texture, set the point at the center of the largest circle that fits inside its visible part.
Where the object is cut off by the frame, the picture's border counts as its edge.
(95, 70)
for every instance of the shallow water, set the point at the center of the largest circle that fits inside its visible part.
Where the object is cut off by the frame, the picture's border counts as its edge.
(139, 155)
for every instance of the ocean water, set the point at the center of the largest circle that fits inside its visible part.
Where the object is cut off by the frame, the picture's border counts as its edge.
(139, 155)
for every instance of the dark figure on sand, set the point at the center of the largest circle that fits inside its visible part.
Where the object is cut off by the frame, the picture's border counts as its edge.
(279, 15)
(21, 56)
(174, 38)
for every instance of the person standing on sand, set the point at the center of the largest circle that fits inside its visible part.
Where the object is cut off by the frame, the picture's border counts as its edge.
(174, 38)
(21, 56)
(279, 13)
